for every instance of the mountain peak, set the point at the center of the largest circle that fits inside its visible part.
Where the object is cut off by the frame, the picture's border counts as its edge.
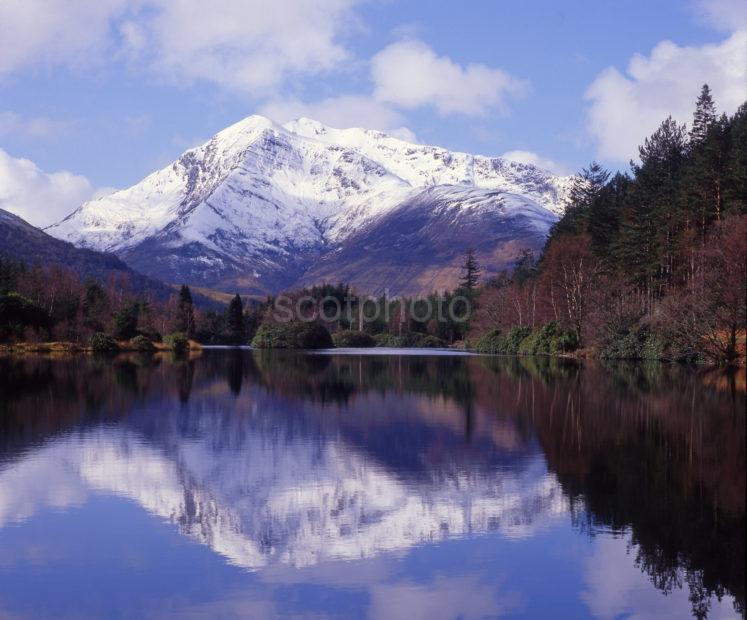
(256, 208)
(248, 127)
(306, 126)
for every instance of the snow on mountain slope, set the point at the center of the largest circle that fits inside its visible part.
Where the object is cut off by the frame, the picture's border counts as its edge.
(257, 205)
(401, 250)
(275, 498)
(422, 165)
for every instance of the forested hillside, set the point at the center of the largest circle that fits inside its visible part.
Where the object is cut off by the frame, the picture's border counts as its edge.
(649, 264)
(23, 242)
(652, 263)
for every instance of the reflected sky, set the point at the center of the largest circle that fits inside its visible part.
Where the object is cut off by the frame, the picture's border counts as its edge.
(240, 484)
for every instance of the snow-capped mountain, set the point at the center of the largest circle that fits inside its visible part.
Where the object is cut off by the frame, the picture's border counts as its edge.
(260, 495)
(261, 207)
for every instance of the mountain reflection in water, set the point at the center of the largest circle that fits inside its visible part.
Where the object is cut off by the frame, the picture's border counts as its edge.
(300, 462)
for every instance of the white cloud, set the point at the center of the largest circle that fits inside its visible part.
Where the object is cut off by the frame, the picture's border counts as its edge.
(444, 596)
(47, 31)
(245, 45)
(616, 587)
(728, 15)
(248, 44)
(529, 157)
(35, 127)
(625, 108)
(344, 111)
(406, 75)
(410, 75)
(39, 197)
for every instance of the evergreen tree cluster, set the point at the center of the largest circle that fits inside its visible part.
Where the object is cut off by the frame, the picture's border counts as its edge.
(645, 225)
(646, 264)
(52, 304)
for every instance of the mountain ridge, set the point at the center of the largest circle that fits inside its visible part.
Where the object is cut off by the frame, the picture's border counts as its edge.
(262, 207)
(23, 242)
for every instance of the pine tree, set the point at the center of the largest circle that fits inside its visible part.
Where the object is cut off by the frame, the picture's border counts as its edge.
(702, 194)
(704, 116)
(95, 306)
(651, 221)
(735, 185)
(126, 321)
(235, 321)
(586, 187)
(604, 215)
(11, 272)
(526, 267)
(470, 271)
(185, 315)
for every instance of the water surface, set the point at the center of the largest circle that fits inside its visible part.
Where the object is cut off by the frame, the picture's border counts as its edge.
(248, 484)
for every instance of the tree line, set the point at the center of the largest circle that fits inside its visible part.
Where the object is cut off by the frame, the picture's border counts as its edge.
(52, 304)
(650, 263)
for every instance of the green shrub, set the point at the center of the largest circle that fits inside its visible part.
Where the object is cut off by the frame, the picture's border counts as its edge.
(103, 343)
(387, 340)
(17, 312)
(550, 339)
(653, 348)
(353, 339)
(528, 346)
(492, 342)
(622, 346)
(414, 340)
(636, 343)
(177, 342)
(546, 338)
(565, 341)
(125, 321)
(429, 342)
(293, 335)
(514, 338)
(151, 334)
(141, 343)
(496, 343)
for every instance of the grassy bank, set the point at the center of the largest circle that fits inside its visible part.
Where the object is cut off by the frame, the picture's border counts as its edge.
(632, 344)
(67, 348)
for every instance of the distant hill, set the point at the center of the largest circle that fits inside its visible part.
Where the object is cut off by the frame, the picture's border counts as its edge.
(22, 241)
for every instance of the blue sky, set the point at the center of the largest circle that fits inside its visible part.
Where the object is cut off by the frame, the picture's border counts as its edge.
(96, 94)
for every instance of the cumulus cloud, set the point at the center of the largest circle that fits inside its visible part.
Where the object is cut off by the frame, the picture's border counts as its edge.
(247, 45)
(410, 74)
(529, 157)
(39, 197)
(728, 15)
(45, 31)
(344, 111)
(627, 107)
(406, 75)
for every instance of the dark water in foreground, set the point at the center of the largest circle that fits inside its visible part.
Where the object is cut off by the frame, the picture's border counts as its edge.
(241, 484)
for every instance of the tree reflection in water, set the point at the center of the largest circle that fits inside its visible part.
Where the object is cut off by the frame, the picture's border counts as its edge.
(654, 450)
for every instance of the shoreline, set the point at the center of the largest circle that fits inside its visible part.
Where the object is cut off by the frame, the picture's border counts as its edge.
(72, 348)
